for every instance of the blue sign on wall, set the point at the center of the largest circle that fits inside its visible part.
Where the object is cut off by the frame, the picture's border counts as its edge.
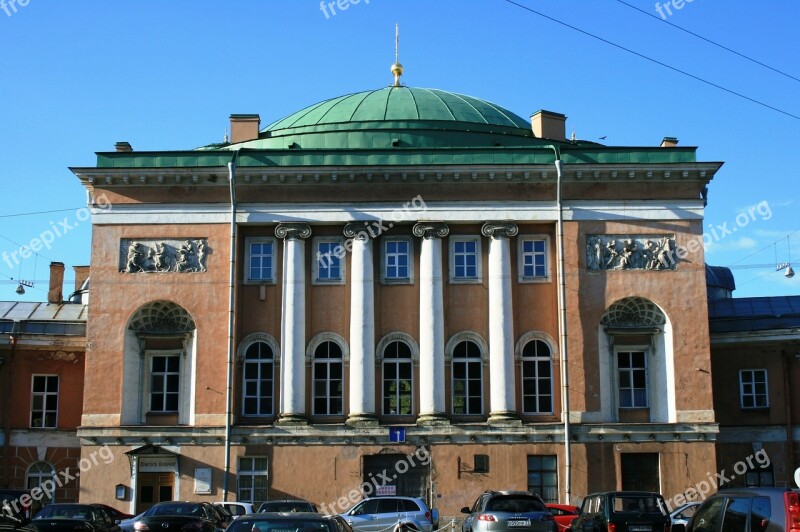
(397, 434)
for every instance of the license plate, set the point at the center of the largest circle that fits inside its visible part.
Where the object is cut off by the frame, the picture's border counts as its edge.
(520, 522)
(640, 528)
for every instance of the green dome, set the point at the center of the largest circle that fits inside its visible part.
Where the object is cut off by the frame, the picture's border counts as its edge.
(396, 117)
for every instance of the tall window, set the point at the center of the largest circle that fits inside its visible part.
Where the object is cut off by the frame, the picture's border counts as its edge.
(44, 401)
(260, 259)
(258, 375)
(465, 263)
(632, 371)
(328, 380)
(327, 266)
(164, 383)
(753, 388)
(253, 479)
(467, 379)
(543, 476)
(397, 381)
(533, 259)
(397, 260)
(38, 473)
(537, 378)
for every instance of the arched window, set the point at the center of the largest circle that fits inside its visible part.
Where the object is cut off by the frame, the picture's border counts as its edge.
(398, 386)
(38, 473)
(328, 379)
(537, 378)
(467, 366)
(258, 374)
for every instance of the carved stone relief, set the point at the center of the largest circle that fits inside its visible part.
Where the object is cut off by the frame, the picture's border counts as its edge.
(625, 252)
(163, 255)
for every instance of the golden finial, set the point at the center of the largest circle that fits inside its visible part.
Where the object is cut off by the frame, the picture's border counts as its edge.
(397, 68)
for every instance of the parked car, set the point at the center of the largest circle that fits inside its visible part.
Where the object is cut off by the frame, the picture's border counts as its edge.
(403, 513)
(289, 522)
(563, 514)
(181, 516)
(288, 505)
(747, 510)
(126, 525)
(71, 517)
(236, 508)
(118, 515)
(496, 511)
(683, 514)
(12, 507)
(622, 511)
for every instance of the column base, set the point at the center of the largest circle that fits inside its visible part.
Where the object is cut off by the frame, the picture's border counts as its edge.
(433, 419)
(504, 418)
(291, 419)
(362, 420)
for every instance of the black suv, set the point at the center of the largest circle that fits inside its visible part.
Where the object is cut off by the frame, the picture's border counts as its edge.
(747, 510)
(623, 511)
(496, 511)
(12, 509)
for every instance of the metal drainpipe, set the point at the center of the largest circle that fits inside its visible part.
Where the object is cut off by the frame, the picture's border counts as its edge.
(7, 400)
(231, 298)
(562, 329)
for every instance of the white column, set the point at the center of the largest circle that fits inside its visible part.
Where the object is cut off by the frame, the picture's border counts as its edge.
(293, 322)
(431, 323)
(362, 327)
(501, 322)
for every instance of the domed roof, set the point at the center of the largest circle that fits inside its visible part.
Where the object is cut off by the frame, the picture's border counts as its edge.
(399, 104)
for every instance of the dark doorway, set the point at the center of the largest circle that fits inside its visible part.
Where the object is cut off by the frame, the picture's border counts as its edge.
(153, 488)
(397, 474)
(640, 472)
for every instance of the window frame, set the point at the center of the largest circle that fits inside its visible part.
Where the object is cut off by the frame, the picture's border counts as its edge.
(260, 362)
(754, 395)
(49, 497)
(248, 244)
(618, 388)
(467, 361)
(521, 277)
(537, 377)
(452, 241)
(316, 263)
(384, 257)
(548, 498)
(327, 361)
(150, 354)
(397, 380)
(44, 395)
(253, 473)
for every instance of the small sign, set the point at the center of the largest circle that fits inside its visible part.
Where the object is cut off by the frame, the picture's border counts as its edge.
(161, 463)
(202, 480)
(386, 490)
(397, 434)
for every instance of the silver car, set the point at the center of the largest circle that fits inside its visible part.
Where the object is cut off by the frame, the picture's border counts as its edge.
(379, 514)
(502, 511)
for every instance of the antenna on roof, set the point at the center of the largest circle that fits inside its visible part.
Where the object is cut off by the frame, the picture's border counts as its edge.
(397, 68)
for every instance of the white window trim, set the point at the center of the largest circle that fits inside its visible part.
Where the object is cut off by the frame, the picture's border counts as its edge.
(741, 388)
(250, 473)
(316, 263)
(58, 401)
(381, 360)
(533, 337)
(247, 245)
(243, 347)
(410, 279)
(479, 360)
(548, 276)
(452, 260)
(184, 373)
(647, 372)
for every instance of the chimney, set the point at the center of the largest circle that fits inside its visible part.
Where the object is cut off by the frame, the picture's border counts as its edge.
(669, 142)
(549, 125)
(244, 127)
(81, 273)
(123, 146)
(55, 295)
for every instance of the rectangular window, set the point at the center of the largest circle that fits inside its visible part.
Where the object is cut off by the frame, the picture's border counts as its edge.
(164, 383)
(253, 479)
(328, 262)
(397, 265)
(632, 371)
(44, 401)
(465, 260)
(543, 476)
(260, 260)
(753, 388)
(532, 258)
(640, 472)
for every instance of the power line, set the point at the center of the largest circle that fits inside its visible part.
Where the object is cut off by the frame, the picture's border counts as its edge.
(656, 61)
(762, 249)
(781, 72)
(37, 212)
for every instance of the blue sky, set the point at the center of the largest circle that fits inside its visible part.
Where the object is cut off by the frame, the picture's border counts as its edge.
(79, 76)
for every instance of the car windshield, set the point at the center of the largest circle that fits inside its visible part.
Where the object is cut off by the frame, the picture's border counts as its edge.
(55, 511)
(515, 504)
(280, 525)
(638, 504)
(175, 509)
(286, 507)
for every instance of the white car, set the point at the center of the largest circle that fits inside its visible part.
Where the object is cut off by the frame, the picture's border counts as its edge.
(237, 508)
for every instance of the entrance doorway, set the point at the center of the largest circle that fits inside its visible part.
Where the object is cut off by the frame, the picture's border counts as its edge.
(640, 472)
(407, 476)
(153, 488)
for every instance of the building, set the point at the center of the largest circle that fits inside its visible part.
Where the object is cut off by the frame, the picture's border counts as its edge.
(42, 353)
(390, 319)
